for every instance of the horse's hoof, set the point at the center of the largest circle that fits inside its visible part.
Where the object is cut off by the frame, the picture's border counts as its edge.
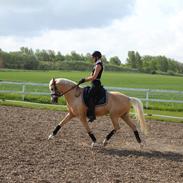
(94, 144)
(141, 145)
(144, 143)
(51, 136)
(105, 142)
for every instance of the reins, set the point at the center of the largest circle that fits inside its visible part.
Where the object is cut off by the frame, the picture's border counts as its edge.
(69, 90)
(60, 94)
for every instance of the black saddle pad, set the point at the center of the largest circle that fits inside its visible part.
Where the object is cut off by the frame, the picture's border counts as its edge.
(101, 99)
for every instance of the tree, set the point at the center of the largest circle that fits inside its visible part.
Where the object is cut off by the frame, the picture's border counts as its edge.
(149, 64)
(162, 63)
(75, 56)
(1, 60)
(172, 65)
(31, 62)
(88, 57)
(180, 68)
(26, 51)
(138, 61)
(131, 60)
(104, 59)
(42, 55)
(52, 56)
(115, 60)
(59, 56)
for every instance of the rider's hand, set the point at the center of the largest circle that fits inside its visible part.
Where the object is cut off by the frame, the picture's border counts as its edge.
(81, 81)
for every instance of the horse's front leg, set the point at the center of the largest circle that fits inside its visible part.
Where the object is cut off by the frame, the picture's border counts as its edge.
(66, 119)
(116, 128)
(90, 133)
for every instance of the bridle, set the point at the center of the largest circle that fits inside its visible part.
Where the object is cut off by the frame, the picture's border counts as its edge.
(56, 93)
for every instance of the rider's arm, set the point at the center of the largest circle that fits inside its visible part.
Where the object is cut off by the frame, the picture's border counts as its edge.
(95, 74)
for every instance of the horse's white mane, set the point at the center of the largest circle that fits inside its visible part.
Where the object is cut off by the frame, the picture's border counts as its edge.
(65, 81)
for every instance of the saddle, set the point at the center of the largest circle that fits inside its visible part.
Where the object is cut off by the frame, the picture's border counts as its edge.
(101, 98)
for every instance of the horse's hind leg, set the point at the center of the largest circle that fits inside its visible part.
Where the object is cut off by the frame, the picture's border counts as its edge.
(116, 127)
(66, 119)
(128, 121)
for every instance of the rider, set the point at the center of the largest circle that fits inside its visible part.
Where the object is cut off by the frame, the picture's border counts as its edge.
(96, 84)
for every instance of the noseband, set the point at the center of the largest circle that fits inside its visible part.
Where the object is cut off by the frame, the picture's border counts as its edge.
(55, 92)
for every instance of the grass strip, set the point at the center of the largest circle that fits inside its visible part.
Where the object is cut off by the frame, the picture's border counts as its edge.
(33, 105)
(149, 114)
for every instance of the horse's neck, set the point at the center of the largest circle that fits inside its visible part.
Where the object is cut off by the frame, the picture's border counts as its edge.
(69, 96)
(73, 95)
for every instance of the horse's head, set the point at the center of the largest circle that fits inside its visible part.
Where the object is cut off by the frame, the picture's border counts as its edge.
(60, 87)
(55, 93)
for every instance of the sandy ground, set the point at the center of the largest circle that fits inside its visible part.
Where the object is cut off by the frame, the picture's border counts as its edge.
(27, 156)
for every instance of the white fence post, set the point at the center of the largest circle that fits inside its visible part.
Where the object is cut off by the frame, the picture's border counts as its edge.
(147, 99)
(23, 92)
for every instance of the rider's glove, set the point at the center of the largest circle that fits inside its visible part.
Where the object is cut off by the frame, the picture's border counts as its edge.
(81, 81)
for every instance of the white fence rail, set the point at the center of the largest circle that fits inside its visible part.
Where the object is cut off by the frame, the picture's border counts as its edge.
(146, 98)
(147, 92)
(23, 92)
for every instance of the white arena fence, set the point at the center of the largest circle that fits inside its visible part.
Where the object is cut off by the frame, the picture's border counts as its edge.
(146, 95)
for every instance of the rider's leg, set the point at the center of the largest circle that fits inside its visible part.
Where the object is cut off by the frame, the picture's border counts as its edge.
(94, 91)
(91, 109)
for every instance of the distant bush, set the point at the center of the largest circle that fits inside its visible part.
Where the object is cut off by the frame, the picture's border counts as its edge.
(171, 73)
(76, 66)
(153, 72)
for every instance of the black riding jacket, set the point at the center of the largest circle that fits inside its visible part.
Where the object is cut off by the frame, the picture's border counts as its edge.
(99, 62)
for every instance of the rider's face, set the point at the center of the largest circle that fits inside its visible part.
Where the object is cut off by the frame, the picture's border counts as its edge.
(94, 59)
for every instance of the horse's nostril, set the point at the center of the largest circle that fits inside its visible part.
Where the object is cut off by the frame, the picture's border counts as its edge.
(54, 100)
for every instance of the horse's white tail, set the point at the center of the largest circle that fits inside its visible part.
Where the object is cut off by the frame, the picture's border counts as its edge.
(138, 106)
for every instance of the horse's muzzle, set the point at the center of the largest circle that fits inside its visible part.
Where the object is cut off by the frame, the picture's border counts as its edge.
(54, 99)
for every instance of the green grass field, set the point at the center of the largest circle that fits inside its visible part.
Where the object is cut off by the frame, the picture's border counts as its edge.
(114, 79)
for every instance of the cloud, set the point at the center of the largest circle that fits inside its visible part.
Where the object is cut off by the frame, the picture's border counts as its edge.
(159, 26)
(152, 28)
(30, 17)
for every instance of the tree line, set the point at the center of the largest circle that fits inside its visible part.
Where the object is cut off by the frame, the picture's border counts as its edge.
(26, 58)
(153, 64)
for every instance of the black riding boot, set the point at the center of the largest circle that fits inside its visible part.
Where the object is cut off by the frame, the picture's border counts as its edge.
(91, 110)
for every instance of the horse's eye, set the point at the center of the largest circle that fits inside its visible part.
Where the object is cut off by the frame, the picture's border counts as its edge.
(51, 89)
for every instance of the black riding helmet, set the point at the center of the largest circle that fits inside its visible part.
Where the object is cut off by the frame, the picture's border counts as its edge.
(97, 54)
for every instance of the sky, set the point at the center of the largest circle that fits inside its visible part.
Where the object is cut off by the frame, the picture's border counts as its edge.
(113, 27)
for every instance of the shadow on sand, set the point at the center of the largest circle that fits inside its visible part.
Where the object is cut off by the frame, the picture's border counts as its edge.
(172, 156)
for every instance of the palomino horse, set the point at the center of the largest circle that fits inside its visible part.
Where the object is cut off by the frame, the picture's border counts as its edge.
(118, 106)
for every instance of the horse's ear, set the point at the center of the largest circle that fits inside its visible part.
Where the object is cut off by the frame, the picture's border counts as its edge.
(54, 82)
